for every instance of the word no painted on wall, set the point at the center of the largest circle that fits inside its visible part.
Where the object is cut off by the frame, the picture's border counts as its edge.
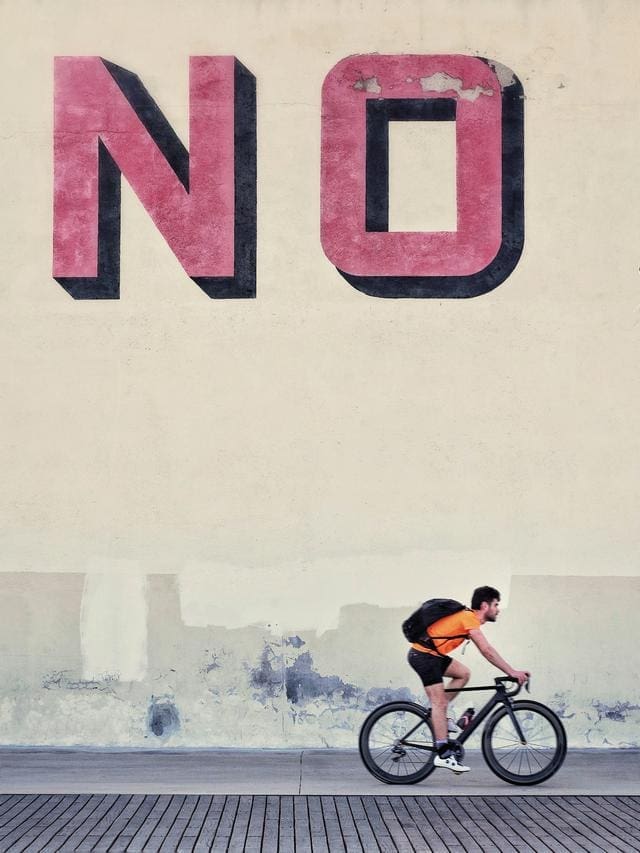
(203, 201)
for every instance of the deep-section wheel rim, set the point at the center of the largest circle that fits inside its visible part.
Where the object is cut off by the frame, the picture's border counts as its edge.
(534, 761)
(396, 743)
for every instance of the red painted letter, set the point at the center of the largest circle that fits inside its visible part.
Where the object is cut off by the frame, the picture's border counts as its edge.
(361, 95)
(203, 202)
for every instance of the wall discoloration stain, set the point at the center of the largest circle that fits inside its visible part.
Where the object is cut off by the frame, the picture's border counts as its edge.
(164, 718)
(303, 683)
(266, 678)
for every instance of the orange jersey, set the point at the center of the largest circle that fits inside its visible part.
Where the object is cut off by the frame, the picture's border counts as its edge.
(457, 625)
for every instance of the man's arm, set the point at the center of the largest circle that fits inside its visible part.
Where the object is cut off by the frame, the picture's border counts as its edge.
(487, 651)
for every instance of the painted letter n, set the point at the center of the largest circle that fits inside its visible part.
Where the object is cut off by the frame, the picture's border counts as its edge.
(202, 201)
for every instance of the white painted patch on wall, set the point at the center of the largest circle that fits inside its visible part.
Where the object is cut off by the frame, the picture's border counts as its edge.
(442, 82)
(309, 596)
(113, 626)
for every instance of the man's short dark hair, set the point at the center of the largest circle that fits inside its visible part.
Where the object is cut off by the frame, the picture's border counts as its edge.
(483, 593)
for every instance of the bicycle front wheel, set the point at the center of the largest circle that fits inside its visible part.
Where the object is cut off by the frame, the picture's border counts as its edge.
(533, 761)
(397, 744)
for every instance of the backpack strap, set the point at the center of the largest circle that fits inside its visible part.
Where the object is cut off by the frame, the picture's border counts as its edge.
(429, 644)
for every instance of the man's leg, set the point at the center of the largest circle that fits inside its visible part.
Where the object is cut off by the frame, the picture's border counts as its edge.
(459, 675)
(439, 700)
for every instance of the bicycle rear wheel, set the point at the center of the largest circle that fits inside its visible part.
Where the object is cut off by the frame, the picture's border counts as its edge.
(397, 744)
(526, 763)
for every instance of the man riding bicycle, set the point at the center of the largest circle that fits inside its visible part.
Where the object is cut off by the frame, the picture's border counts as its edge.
(432, 664)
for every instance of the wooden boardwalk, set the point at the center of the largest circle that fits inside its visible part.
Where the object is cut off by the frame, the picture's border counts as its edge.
(317, 824)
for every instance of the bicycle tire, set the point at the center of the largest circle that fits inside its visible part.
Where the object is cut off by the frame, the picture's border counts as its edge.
(381, 748)
(530, 763)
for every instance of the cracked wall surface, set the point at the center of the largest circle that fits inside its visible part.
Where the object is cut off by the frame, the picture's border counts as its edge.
(248, 687)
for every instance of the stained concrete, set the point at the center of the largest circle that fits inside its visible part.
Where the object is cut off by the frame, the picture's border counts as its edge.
(288, 772)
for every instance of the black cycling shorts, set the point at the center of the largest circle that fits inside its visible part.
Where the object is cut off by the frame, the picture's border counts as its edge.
(430, 668)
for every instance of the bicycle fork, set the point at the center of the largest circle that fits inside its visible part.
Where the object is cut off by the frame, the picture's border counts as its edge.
(515, 722)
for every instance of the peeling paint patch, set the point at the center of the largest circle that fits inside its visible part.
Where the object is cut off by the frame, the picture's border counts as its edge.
(505, 75)
(379, 695)
(164, 718)
(303, 683)
(59, 680)
(617, 712)
(265, 677)
(213, 663)
(560, 704)
(441, 82)
(368, 84)
(296, 642)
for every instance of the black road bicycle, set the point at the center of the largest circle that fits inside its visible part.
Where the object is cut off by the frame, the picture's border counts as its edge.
(523, 742)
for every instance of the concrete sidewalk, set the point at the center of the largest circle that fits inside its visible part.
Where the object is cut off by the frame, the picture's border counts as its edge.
(309, 771)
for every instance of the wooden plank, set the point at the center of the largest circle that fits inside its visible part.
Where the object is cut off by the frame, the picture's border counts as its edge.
(21, 804)
(367, 837)
(256, 821)
(36, 834)
(332, 824)
(164, 826)
(271, 823)
(241, 825)
(86, 837)
(397, 833)
(173, 838)
(505, 829)
(455, 817)
(560, 831)
(616, 809)
(29, 813)
(301, 824)
(317, 829)
(523, 826)
(123, 827)
(72, 833)
(210, 825)
(586, 825)
(286, 837)
(52, 836)
(225, 826)
(29, 817)
(489, 829)
(347, 826)
(192, 830)
(411, 828)
(380, 829)
(136, 842)
(632, 803)
(10, 801)
(609, 821)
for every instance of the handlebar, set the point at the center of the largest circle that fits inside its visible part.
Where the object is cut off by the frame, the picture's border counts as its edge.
(507, 678)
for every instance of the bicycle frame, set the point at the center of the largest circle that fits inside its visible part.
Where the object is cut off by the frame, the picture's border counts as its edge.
(501, 697)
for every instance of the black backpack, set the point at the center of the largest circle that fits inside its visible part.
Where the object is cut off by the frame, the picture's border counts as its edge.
(415, 627)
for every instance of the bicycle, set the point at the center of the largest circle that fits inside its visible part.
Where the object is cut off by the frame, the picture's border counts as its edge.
(523, 742)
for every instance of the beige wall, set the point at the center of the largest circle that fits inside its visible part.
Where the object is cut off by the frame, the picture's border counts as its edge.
(189, 485)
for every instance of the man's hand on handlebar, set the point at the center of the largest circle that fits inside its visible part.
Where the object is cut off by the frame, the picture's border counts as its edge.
(520, 675)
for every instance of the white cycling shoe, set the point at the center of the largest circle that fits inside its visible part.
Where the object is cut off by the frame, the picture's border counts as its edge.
(450, 763)
(452, 726)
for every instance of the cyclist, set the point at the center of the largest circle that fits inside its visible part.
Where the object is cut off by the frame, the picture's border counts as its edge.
(432, 664)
